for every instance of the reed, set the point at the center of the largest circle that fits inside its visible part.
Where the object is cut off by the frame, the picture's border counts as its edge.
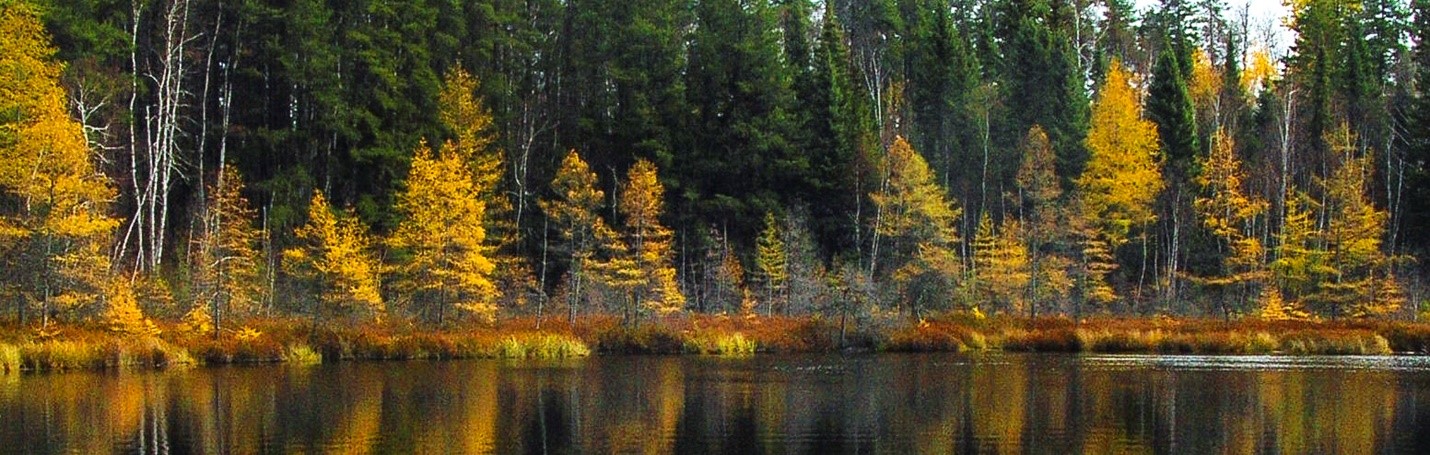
(301, 354)
(725, 344)
(540, 346)
(60, 355)
(9, 358)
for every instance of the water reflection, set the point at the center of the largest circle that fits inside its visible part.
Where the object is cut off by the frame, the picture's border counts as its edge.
(804, 404)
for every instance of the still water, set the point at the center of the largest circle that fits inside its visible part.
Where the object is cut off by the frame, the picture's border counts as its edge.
(886, 403)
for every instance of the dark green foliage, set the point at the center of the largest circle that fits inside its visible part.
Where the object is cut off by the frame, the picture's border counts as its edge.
(1170, 107)
(1043, 85)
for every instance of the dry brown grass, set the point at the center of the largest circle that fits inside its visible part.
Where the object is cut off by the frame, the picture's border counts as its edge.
(83, 346)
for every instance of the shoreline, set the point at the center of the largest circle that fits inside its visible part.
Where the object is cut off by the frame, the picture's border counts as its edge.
(81, 347)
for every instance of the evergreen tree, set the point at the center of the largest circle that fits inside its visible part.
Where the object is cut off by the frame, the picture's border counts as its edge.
(772, 264)
(739, 90)
(1044, 85)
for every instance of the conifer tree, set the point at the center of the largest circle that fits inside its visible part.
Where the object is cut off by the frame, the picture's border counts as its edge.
(226, 258)
(1039, 198)
(575, 210)
(54, 222)
(442, 237)
(1230, 215)
(334, 253)
(1356, 282)
(474, 144)
(772, 263)
(641, 265)
(918, 224)
(1122, 177)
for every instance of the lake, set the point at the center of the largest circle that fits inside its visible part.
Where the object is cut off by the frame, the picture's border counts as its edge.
(865, 403)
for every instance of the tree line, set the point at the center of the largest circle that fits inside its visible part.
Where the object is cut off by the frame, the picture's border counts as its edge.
(219, 159)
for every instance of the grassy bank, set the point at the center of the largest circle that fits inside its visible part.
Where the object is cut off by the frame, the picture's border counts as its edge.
(294, 341)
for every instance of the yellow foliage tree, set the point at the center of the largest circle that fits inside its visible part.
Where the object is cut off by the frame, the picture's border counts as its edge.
(1260, 70)
(640, 265)
(122, 314)
(335, 253)
(1276, 308)
(575, 211)
(54, 225)
(772, 260)
(1001, 268)
(1123, 177)
(471, 123)
(441, 237)
(1039, 194)
(1229, 213)
(918, 223)
(1357, 281)
(225, 256)
(1336, 267)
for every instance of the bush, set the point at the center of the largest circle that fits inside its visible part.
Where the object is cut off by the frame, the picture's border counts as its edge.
(301, 354)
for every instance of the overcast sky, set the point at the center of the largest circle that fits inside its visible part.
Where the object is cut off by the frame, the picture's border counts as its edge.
(1265, 20)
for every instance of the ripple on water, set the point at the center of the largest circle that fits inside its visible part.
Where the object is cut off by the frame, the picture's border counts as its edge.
(1255, 362)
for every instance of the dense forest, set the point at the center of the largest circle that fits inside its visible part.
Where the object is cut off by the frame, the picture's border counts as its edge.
(208, 161)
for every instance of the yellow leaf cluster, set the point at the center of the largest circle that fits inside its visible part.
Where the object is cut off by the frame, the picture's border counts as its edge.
(335, 252)
(646, 267)
(1229, 213)
(575, 212)
(61, 223)
(443, 235)
(913, 206)
(915, 213)
(1259, 71)
(1205, 84)
(1123, 176)
(122, 314)
(226, 253)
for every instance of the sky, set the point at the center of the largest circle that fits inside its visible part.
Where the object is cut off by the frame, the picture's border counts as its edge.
(1264, 20)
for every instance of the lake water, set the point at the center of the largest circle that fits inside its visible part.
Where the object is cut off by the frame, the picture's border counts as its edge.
(884, 403)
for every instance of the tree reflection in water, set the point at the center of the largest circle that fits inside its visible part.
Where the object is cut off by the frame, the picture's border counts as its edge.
(797, 404)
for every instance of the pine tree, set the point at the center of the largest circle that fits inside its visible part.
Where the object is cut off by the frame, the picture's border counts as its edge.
(1169, 105)
(334, 253)
(739, 162)
(445, 260)
(54, 222)
(1045, 86)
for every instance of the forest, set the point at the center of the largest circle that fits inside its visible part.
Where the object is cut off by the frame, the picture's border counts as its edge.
(191, 165)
